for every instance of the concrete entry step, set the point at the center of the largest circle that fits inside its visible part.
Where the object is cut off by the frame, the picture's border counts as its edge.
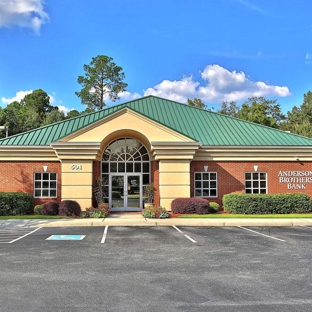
(125, 215)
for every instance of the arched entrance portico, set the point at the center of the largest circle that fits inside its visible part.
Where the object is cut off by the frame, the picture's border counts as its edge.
(125, 170)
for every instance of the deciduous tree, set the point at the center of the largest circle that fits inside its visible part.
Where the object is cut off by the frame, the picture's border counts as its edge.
(299, 119)
(229, 108)
(262, 111)
(197, 103)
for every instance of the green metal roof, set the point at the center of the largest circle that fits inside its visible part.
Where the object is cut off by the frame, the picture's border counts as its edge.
(206, 127)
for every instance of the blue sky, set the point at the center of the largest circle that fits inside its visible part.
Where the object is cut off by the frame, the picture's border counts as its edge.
(210, 49)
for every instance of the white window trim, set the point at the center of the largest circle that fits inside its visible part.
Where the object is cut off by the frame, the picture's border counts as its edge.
(252, 188)
(216, 188)
(41, 188)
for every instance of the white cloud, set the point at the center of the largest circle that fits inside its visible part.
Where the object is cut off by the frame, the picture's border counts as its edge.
(20, 95)
(174, 90)
(127, 96)
(219, 84)
(64, 109)
(23, 13)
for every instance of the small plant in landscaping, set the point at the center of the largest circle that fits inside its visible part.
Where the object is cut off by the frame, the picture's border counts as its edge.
(69, 208)
(50, 208)
(84, 214)
(155, 212)
(214, 207)
(148, 193)
(100, 190)
(101, 211)
(37, 210)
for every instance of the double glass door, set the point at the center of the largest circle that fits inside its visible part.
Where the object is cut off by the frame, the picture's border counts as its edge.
(126, 192)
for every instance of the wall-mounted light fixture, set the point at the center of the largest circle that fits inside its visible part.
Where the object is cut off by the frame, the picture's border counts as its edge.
(206, 168)
(256, 168)
(297, 158)
(45, 168)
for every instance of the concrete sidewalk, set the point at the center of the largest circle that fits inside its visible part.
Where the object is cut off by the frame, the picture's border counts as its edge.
(136, 219)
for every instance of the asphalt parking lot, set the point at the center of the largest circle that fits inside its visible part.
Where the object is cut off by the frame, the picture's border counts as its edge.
(157, 269)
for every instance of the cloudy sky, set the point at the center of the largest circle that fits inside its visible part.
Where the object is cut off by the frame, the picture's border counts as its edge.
(214, 50)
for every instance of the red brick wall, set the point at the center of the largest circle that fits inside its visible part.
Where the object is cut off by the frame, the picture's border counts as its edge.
(19, 176)
(96, 175)
(16, 176)
(231, 175)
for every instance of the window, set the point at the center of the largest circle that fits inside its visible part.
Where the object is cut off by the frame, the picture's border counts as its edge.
(255, 182)
(45, 184)
(205, 184)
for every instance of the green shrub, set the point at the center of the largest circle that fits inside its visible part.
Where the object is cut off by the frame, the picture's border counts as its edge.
(155, 212)
(103, 207)
(84, 214)
(50, 208)
(101, 211)
(37, 209)
(267, 203)
(15, 203)
(214, 207)
(69, 208)
(190, 205)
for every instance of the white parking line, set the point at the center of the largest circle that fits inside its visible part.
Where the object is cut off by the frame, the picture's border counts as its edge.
(261, 234)
(104, 235)
(14, 240)
(191, 239)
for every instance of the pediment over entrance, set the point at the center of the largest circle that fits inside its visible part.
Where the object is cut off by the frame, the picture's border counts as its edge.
(122, 122)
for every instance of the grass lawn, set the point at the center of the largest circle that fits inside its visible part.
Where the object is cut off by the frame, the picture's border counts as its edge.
(31, 217)
(244, 216)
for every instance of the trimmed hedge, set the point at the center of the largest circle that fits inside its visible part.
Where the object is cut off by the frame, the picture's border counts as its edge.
(50, 208)
(267, 203)
(190, 205)
(15, 203)
(69, 208)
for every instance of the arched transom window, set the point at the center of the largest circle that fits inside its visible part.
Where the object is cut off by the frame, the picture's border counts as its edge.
(126, 155)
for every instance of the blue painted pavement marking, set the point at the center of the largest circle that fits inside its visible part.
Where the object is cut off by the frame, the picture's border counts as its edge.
(66, 237)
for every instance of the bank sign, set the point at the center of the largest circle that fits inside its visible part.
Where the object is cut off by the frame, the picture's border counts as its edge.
(295, 180)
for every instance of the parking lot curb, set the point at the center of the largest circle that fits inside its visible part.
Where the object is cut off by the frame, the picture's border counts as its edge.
(140, 221)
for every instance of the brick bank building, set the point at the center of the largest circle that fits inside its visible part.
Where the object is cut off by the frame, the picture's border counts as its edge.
(183, 150)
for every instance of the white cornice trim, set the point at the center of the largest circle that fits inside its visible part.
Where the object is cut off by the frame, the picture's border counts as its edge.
(246, 153)
(27, 153)
(249, 147)
(159, 143)
(77, 150)
(174, 150)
